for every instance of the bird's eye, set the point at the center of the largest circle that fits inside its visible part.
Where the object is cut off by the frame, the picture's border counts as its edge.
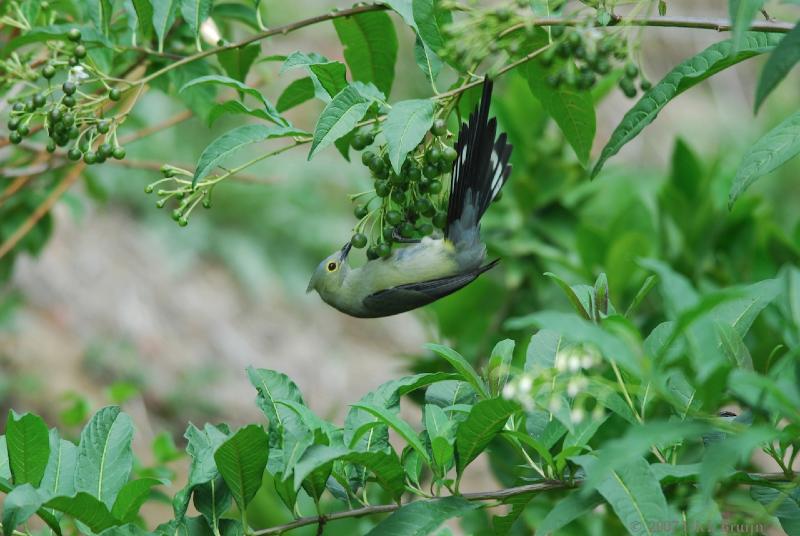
(331, 266)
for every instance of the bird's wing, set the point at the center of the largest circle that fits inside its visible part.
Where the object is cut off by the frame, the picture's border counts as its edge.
(406, 297)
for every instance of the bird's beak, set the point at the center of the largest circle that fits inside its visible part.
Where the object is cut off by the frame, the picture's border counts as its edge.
(310, 285)
(345, 251)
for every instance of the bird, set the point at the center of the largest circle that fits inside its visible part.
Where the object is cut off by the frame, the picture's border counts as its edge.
(433, 267)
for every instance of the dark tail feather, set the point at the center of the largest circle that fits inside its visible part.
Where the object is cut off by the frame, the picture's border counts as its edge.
(480, 170)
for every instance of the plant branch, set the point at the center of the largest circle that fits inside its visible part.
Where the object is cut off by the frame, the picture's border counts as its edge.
(497, 495)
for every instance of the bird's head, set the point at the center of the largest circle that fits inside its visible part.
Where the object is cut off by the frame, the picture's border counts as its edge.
(330, 273)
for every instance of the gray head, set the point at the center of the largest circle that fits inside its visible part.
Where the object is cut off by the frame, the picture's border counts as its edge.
(331, 272)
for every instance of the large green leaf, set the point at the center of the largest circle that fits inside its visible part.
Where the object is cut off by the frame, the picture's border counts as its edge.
(212, 499)
(571, 109)
(164, 12)
(59, 477)
(28, 447)
(431, 19)
(462, 366)
(420, 518)
(370, 47)
(298, 92)
(568, 509)
(633, 492)
(393, 420)
(484, 422)
(772, 150)
(427, 60)
(338, 118)
(780, 62)
(237, 61)
(241, 461)
(85, 508)
(99, 12)
(271, 114)
(406, 125)
(329, 77)
(233, 140)
(5, 468)
(140, 17)
(782, 503)
(741, 13)
(105, 458)
(194, 12)
(687, 74)
(234, 107)
(201, 447)
(542, 350)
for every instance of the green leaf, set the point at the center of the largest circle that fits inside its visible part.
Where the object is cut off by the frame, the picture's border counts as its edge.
(59, 477)
(461, 366)
(573, 298)
(296, 93)
(420, 518)
(450, 393)
(672, 473)
(385, 466)
(441, 431)
(370, 47)
(780, 62)
(741, 13)
(233, 140)
(194, 12)
(771, 151)
(234, 107)
(18, 506)
(499, 366)
(571, 109)
(542, 350)
(687, 74)
(85, 508)
(131, 497)
(584, 431)
(237, 61)
(241, 461)
(332, 76)
(271, 114)
(163, 17)
(338, 118)
(395, 422)
(427, 60)
(502, 524)
(406, 125)
(28, 447)
(404, 9)
(105, 458)
(485, 420)
(201, 447)
(566, 510)
(212, 499)
(633, 492)
(430, 19)
(781, 503)
(140, 15)
(99, 12)
(238, 12)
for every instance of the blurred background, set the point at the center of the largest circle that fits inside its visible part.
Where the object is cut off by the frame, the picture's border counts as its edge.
(123, 306)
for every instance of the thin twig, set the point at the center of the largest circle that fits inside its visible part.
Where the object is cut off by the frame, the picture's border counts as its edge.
(497, 495)
(147, 131)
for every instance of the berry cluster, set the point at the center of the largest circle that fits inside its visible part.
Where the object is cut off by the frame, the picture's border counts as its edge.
(69, 116)
(406, 205)
(176, 183)
(578, 57)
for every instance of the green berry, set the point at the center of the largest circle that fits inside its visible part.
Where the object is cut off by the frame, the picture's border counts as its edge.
(556, 31)
(18, 107)
(602, 66)
(15, 137)
(89, 157)
(424, 206)
(388, 233)
(372, 253)
(393, 217)
(406, 230)
(118, 153)
(574, 39)
(23, 130)
(449, 154)
(361, 211)
(367, 157)
(563, 49)
(440, 220)
(13, 123)
(68, 119)
(74, 35)
(168, 172)
(72, 61)
(433, 155)
(439, 128)
(69, 101)
(645, 85)
(39, 100)
(69, 88)
(359, 240)
(358, 142)
(103, 126)
(424, 186)
(148, 189)
(414, 173)
(430, 171)
(435, 187)
(114, 94)
(176, 214)
(51, 146)
(105, 150)
(74, 154)
(425, 229)
(382, 188)
(631, 70)
(383, 250)
(398, 196)
(80, 52)
(183, 222)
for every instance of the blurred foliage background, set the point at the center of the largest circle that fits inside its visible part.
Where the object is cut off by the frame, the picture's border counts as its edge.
(121, 305)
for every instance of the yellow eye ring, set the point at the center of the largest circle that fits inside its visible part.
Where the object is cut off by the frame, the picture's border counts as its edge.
(331, 266)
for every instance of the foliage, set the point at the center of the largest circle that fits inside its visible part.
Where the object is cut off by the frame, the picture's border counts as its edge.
(617, 403)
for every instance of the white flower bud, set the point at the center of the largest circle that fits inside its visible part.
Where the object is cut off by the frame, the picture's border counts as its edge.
(554, 405)
(576, 415)
(525, 384)
(77, 74)
(509, 391)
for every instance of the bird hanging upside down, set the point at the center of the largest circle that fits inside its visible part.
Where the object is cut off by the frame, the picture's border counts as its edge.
(433, 267)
